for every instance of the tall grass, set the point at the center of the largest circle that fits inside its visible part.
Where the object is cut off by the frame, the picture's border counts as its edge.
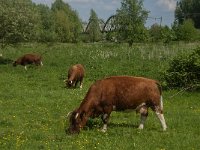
(34, 103)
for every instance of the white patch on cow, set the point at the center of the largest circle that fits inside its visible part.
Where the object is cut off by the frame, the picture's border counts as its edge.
(77, 114)
(162, 120)
(161, 102)
(81, 86)
(105, 116)
(41, 63)
(143, 110)
(70, 82)
(114, 107)
(138, 107)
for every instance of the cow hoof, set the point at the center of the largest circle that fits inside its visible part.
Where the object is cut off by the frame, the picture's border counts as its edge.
(165, 129)
(103, 130)
(140, 127)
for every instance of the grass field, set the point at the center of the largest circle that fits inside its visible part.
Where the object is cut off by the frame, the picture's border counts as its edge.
(34, 103)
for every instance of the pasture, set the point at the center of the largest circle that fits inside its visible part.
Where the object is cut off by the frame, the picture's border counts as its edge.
(34, 103)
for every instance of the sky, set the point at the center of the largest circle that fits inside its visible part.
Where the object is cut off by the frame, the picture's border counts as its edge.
(105, 8)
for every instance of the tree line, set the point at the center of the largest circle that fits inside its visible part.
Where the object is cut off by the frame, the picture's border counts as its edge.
(24, 21)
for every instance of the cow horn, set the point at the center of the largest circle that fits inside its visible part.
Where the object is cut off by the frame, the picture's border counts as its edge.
(69, 114)
(76, 115)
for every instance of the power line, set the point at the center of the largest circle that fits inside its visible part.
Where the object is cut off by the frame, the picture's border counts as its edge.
(156, 18)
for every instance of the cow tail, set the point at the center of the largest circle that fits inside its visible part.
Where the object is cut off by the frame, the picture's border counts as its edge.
(161, 98)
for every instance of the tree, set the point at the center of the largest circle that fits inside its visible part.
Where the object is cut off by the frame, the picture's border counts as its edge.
(155, 32)
(46, 29)
(161, 33)
(67, 23)
(188, 9)
(130, 20)
(186, 31)
(93, 28)
(18, 21)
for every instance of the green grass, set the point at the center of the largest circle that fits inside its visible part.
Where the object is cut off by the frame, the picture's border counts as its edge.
(34, 103)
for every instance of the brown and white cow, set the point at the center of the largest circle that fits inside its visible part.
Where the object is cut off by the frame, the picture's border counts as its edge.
(75, 74)
(28, 59)
(118, 93)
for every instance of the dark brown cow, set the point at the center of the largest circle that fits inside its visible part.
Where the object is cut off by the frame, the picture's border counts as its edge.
(75, 74)
(28, 59)
(118, 93)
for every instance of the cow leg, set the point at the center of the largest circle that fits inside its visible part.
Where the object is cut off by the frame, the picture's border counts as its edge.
(144, 113)
(160, 116)
(162, 120)
(81, 83)
(25, 67)
(105, 118)
(76, 82)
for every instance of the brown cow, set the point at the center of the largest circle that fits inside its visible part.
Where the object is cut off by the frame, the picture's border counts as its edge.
(118, 93)
(28, 59)
(75, 74)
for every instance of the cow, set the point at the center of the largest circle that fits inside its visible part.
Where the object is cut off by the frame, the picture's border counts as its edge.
(28, 59)
(75, 74)
(118, 93)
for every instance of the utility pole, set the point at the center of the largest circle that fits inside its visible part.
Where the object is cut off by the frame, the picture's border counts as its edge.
(160, 20)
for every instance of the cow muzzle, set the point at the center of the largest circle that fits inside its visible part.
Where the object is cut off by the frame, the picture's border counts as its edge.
(70, 83)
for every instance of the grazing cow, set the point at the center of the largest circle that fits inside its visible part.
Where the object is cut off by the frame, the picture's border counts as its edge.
(118, 93)
(28, 59)
(75, 74)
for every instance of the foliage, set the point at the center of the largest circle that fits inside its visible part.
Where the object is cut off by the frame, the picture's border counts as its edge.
(18, 21)
(67, 23)
(129, 22)
(24, 21)
(184, 71)
(188, 9)
(186, 31)
(94, 30)
(159, 33)
(46, 31)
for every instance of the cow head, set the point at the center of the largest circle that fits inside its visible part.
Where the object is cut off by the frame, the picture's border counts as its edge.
(77, 121)
(70, 83)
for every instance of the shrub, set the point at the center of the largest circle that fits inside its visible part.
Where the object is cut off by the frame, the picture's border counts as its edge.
(184, 71)
(161, 34)
(186, 31)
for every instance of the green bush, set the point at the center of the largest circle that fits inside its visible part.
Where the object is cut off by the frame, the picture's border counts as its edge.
(186, 31)
(184, 71)
(161, 34)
